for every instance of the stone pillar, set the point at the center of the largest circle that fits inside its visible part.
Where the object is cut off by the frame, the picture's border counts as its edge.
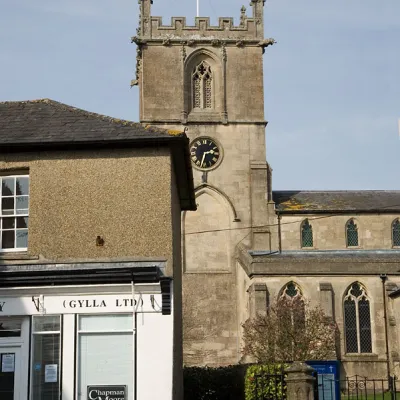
(300, 382)
(326, 298)
(258, 296)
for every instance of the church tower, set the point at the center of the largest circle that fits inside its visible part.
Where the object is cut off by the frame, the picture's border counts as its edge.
(208, 81)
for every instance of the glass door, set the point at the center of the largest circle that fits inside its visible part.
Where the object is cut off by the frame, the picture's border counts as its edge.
(9, 373)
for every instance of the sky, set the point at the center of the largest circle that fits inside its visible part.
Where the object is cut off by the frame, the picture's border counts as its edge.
(332, 80)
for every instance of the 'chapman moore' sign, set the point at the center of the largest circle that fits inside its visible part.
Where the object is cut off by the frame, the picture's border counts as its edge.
(107, 392)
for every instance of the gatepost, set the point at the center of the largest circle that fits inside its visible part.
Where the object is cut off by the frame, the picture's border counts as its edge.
(300, 382)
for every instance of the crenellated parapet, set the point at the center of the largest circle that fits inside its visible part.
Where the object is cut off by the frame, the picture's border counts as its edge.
(249, 27)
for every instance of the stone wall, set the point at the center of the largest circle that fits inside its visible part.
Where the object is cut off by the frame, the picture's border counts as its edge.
(329, 231)
(328, 292)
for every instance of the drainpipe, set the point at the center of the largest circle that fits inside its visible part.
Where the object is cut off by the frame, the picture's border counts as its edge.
(384, 279)
(279, 233)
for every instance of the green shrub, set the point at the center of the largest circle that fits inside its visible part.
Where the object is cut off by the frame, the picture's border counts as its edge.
(265, 382)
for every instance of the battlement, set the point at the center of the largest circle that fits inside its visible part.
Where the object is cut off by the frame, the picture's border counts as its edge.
(249, 28)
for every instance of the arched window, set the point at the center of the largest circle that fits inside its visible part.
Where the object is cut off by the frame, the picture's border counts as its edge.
(396, 233)
(351, 234)
(306, 234)
(357, 320)
(202, 86)
(291, 292)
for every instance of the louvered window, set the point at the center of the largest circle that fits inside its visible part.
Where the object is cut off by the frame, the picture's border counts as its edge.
(357, 320)
(352, 234)
(306, 234)
(396, 233)
(202, 86)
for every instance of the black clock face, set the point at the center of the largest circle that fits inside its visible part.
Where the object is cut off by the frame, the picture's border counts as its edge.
(204, 153)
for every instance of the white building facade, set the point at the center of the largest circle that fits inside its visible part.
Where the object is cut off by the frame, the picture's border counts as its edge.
(98, 331)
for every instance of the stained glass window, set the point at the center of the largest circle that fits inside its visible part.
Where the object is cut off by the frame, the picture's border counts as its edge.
(357, 320)
(202, 86)
(396, 233)
(351, 234)
(306, 234)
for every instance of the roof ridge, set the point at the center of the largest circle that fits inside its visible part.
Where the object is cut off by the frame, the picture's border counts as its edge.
(106, 118)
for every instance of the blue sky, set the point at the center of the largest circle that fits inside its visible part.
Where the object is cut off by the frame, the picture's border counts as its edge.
(332, 82)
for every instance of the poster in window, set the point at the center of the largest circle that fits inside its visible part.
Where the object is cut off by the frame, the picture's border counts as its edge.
(100, 392)
(50, 373)
(8, 363)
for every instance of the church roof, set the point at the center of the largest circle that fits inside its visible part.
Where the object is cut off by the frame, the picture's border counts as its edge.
(302, 201)
(47, 121)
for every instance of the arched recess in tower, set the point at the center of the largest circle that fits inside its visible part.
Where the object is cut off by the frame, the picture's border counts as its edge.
(214, 63)
(206, 233)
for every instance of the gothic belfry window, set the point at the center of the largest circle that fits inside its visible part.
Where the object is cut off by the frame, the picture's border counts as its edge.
(351, 234)
(202, 87)
(357, 320)
(396, 233)
(306, 234)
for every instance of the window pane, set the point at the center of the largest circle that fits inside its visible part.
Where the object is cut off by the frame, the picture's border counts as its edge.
(396, 233)
(365, 326)
(10, 327)
(307, 235)
(7, 239)
(22, 203)
(46, 323)
(22, 238)
(105, 358)
(22, 222)
(22, 186)
(116, 322)
(7, 206)
(352, 234)
(46, 355)
(7, 187)
(9, 223)
(350, 322)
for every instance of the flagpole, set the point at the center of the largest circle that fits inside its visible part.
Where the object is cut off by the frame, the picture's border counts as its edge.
(198, 8)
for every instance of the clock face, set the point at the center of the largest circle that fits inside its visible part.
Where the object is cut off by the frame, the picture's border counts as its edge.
(205, 153)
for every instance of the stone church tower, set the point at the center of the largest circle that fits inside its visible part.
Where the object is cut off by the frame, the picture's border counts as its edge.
(208, 81)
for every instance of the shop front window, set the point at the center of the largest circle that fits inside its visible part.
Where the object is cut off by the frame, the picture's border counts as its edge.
(46, 337)
(105, 354)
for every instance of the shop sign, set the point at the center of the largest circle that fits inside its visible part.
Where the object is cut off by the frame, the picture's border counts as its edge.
(88, 304)
(107, 392)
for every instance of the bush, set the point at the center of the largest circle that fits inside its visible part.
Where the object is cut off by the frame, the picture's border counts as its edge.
(206, 383)
(265, 382)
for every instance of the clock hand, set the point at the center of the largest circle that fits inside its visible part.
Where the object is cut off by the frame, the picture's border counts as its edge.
(204, 154)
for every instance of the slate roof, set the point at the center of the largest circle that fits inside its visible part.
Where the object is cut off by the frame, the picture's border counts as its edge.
(48, 121)
(337, 201)
(49, 125)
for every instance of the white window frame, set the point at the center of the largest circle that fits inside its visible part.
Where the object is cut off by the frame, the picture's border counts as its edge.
(100, 331)
(14, 249)
(60, 355)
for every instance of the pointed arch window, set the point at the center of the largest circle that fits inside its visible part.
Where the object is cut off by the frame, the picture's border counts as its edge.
(357, 320)
(306, 234)
(291, 291)
(202, 87)
(352, 234)
(396, 233)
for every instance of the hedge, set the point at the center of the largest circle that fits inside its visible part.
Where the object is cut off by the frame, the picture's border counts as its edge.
(235, 382)
(265, 382)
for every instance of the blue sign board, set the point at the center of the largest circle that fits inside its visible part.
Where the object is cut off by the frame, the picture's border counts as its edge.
(328, 373)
